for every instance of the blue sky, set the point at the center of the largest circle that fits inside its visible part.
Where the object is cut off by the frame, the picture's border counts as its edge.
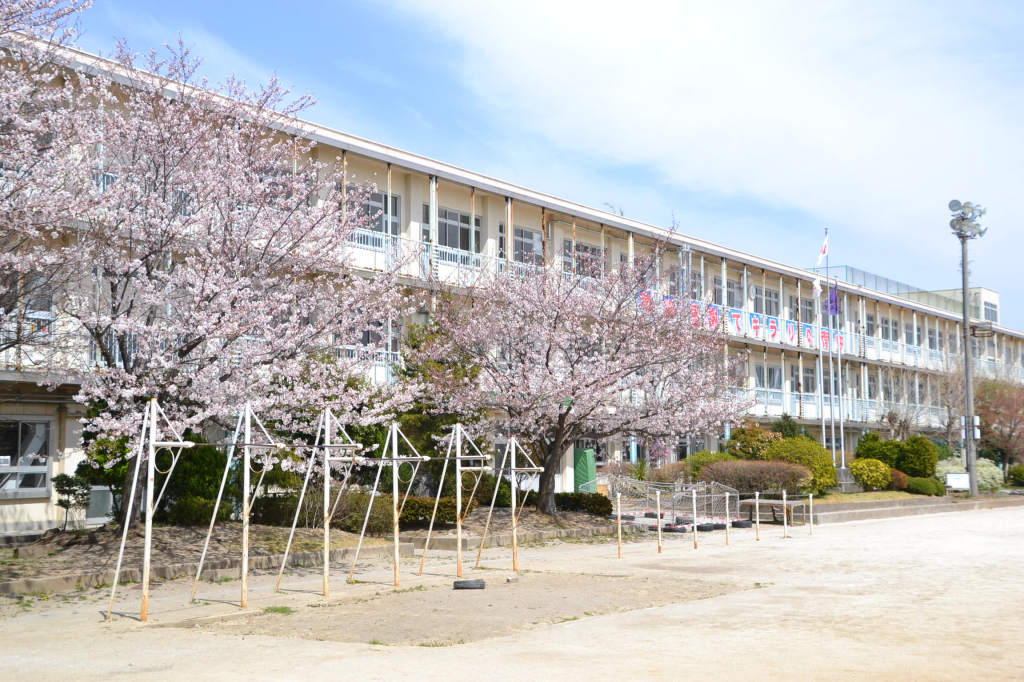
(754, 124)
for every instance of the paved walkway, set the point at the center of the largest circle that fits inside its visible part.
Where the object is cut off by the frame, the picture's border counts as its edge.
(925, 598)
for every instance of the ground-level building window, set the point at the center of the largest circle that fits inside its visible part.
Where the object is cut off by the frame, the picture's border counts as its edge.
(24, 458)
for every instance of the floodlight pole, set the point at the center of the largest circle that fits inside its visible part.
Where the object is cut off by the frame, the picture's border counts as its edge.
(972, 460)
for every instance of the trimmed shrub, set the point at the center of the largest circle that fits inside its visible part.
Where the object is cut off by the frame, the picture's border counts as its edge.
(925, 486)
(899, 480)
(1016, 475)
(751, 442)
(872, 446)
(756, 476)
(948, 466)
(276, 510)
(919, 457)
(871, 473)
(191, 510)
(592, 503)
(946, 452)
(810, 454)
(485, 491)
(699, 460)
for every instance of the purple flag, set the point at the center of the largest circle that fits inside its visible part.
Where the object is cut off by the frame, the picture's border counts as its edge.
(833, 302)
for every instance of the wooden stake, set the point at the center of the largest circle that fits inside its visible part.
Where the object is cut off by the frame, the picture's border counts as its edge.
(150, 484)
(245, 507)
(757, 516)
(695, 545)
(618, 501)
(657, 499)
(785, 522)
(394, 494)
(727, 524)
(327, 493)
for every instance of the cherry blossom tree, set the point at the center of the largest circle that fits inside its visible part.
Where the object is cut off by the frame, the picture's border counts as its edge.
(1001, 407)
(41, 130)
(558, 357)
(198, 249)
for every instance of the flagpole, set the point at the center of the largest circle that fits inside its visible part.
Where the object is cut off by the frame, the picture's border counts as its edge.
(839, 364)
(831, 383)
(821, 370)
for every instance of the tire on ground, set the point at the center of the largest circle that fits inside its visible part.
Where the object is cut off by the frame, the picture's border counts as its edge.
(469, 585)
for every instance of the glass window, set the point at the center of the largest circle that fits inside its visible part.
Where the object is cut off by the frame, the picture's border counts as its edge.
(718, 291)
(527, 246)
(807, 310)
(884, 328)
(588, 259)
(895, 324)
(771, 303)
(909, 334)
(869, 325)
(992, 312)
(373, 210)
(810, 379)
(872, 387)
(24, 457)
(734, 294)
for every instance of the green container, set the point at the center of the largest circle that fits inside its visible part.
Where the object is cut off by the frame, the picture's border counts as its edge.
(584, 468)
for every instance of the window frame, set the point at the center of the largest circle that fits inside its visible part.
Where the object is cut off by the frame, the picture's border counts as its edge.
(18, 469)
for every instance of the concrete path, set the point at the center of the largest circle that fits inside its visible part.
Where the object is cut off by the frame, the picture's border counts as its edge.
(935, 597)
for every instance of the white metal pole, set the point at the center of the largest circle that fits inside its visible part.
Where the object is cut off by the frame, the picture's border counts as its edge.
(150, 484)
(515, 536)
(458, 500)
(327, 485)
(433, 515)
(394, 494)
(657, 499)
(216, 508)
(298, 507)
(369, 508)
(810, 501)
(494, 498)
(127, 511)
(246, 457)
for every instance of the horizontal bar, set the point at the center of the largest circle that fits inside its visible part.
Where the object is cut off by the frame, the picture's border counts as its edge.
(173, 444)
(279, 446)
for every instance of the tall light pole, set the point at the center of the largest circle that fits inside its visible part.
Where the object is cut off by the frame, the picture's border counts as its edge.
(965, 227)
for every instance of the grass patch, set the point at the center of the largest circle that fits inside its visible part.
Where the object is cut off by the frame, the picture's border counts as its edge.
(418, 588)
(441, 643)
(283, 610)
(565, 620)
(835, 498)
(377, 642)
(223, 579)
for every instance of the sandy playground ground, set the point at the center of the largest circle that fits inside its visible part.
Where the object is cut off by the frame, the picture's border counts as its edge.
(925, 598)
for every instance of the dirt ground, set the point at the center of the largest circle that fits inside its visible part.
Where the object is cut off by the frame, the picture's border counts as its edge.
(501, 522)
(918, 598)
(94, 551)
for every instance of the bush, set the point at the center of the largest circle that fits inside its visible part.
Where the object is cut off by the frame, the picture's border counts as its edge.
(925, 486)
(592, 503)
(485, 490)
(871, 473)
(871, 446)
(756, 476)
(751, 442)
(990, 476)
(810, 454)
(699, 460)
(788, 427)
(192, 510)
(276, 510)
(899, 480)
(674, 472)
(1016, 474)
(948, 466)
(946, 452)
(919, 457)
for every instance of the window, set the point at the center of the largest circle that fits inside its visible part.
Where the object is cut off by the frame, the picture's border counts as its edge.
(718, 291)
(809, 383)
(24, 458)
(1007, 355)
(734, 294)
(373, 208)
(933, 336)
(527, 246)
(588, 257)
(869, 325)
(884, 328)
(872, 387)
(895, 330)
(810, 379)
(990, 349)
(908, 329)
(766, 302)
(452, 228)
(992, 312)
(768, 377)
(807, 310)
(31, 293)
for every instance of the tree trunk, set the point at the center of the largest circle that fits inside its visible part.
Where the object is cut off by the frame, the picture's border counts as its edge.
(546, 491)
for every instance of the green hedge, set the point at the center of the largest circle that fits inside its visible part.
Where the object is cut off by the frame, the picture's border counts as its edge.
(925, 486)
(699, 460)
(279, 510)
(871, 446)
(191, 510)
(810, 454)
(592, 503)
(748, 476)
(1016, 475)
(919, 457)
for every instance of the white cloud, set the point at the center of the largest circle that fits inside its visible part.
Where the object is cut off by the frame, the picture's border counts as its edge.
(866, 117)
